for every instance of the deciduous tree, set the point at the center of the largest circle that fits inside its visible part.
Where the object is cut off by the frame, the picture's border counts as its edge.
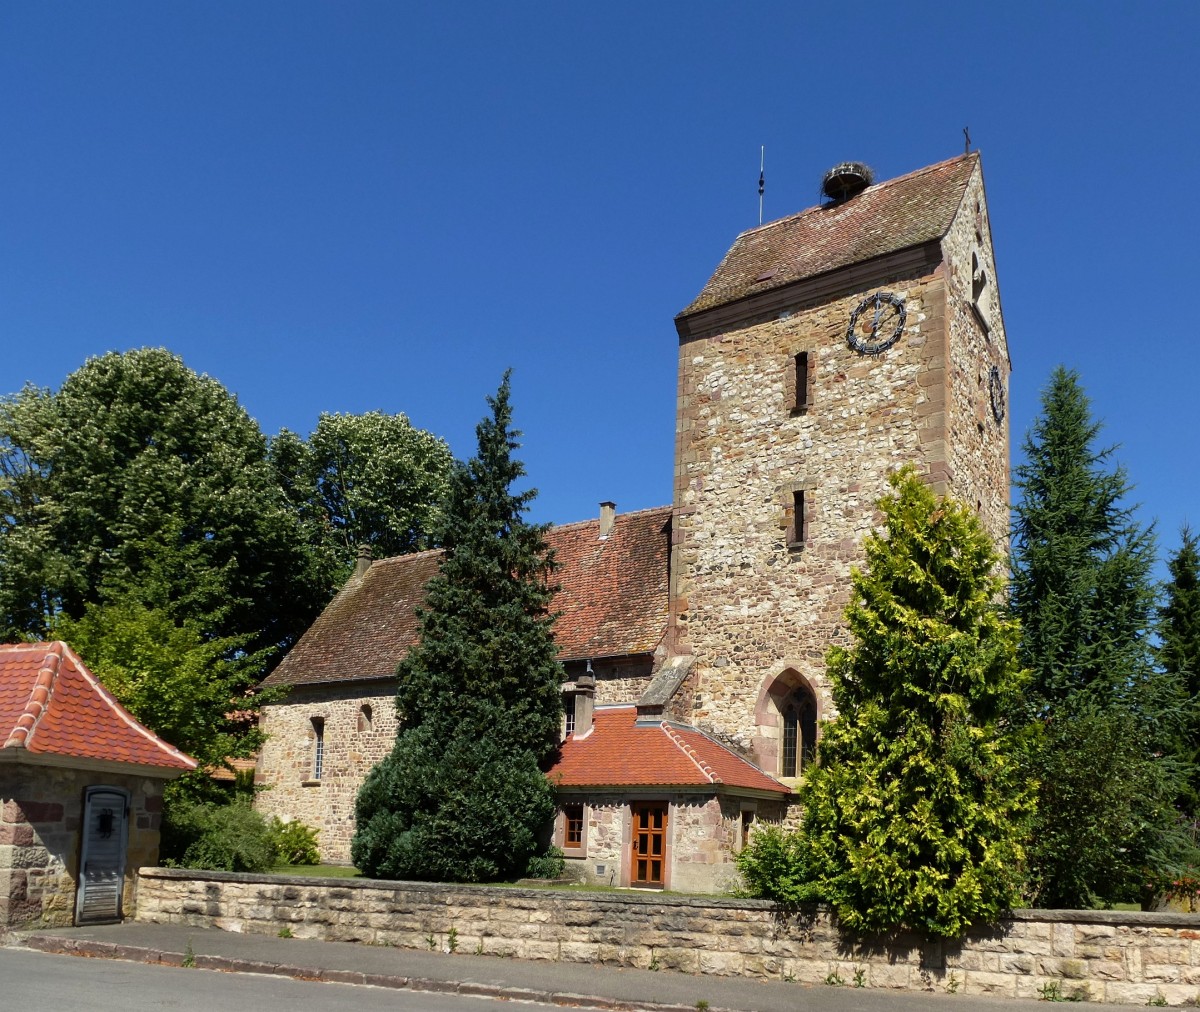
(139, 480)
(368, 479)
(191, 690)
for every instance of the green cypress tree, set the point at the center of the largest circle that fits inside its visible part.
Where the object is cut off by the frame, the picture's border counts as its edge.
(1082, 591)
(462, 796)
(914, 815)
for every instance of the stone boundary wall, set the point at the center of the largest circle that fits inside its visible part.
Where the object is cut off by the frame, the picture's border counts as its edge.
(1111, 956)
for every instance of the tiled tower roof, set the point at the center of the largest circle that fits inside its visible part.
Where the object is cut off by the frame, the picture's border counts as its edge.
(885, 218)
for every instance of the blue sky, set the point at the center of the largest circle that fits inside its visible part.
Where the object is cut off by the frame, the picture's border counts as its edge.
(355, 206)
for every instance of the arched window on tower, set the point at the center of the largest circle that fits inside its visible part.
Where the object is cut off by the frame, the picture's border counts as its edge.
(798, 734)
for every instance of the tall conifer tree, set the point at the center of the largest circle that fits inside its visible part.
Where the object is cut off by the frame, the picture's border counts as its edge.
(1081, 589)
(1179, 649)
(1081, 563)
(462, 796)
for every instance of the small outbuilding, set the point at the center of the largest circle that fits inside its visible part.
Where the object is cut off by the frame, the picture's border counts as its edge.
(650, 802)
(81, 786)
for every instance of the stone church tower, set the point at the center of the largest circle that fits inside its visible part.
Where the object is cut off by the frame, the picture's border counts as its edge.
(829, 349)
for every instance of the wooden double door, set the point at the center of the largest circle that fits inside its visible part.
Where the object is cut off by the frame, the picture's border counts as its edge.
(648, 853)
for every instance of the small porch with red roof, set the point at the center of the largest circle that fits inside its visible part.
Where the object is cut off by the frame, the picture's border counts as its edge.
(80, 791)
(653, 803)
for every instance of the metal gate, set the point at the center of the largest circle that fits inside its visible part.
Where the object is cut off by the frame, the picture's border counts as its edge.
(102, 855)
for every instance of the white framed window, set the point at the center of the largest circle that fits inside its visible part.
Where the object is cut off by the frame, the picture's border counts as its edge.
(318, 748)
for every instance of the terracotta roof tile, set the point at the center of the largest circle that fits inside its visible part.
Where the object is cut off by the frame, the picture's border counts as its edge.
(884, 218)
(228, 774)
(50, 704)
(619, 752)
(612, 601)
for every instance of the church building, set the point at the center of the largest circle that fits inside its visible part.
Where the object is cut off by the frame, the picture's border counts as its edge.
(827, 350)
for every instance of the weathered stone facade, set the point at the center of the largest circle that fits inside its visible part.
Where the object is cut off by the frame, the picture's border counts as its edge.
(759, 593)
(41, 809)
(358, 727)
(1109, 956)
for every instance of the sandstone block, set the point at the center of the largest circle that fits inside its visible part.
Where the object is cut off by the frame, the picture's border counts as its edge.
(981, 982)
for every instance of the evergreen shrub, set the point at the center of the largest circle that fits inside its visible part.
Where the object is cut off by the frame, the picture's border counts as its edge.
(459, 807)
(552, 864)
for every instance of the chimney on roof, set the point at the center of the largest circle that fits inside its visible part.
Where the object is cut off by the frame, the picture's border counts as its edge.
(364, 560)
(585, 700)
(608, 514)
(846, 180)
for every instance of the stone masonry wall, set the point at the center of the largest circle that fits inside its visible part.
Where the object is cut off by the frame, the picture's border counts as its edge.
(751, 606)
(41, 811)
(976, 442)
(618, 679)
(351, 748)
(752, 601)
(1132, 958)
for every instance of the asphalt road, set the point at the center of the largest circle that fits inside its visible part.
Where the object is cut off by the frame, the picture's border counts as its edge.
(35, 980)
(64, 983)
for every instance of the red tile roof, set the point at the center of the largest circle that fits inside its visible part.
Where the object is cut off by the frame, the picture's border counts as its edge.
(52, 706)
(612, 602)
(619, 752)
(884, 218)
(228, 774)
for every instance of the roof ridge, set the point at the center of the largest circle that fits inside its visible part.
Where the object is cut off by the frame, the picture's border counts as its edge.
(926, 168)
(618, 516)
(39, 697)
(690, 752)
(553, 527)
(874, 186)
(409, 555)
(115, 705)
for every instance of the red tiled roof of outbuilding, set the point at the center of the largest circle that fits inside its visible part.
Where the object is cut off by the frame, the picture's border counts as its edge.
(612, 601)
(885, 218)
(619, 752)
(52, 705)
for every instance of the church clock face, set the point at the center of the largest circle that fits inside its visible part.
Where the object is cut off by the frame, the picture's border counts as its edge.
(996, 394)
(877, 323)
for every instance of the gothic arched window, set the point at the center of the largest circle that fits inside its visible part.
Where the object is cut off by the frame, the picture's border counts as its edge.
(798, 734)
